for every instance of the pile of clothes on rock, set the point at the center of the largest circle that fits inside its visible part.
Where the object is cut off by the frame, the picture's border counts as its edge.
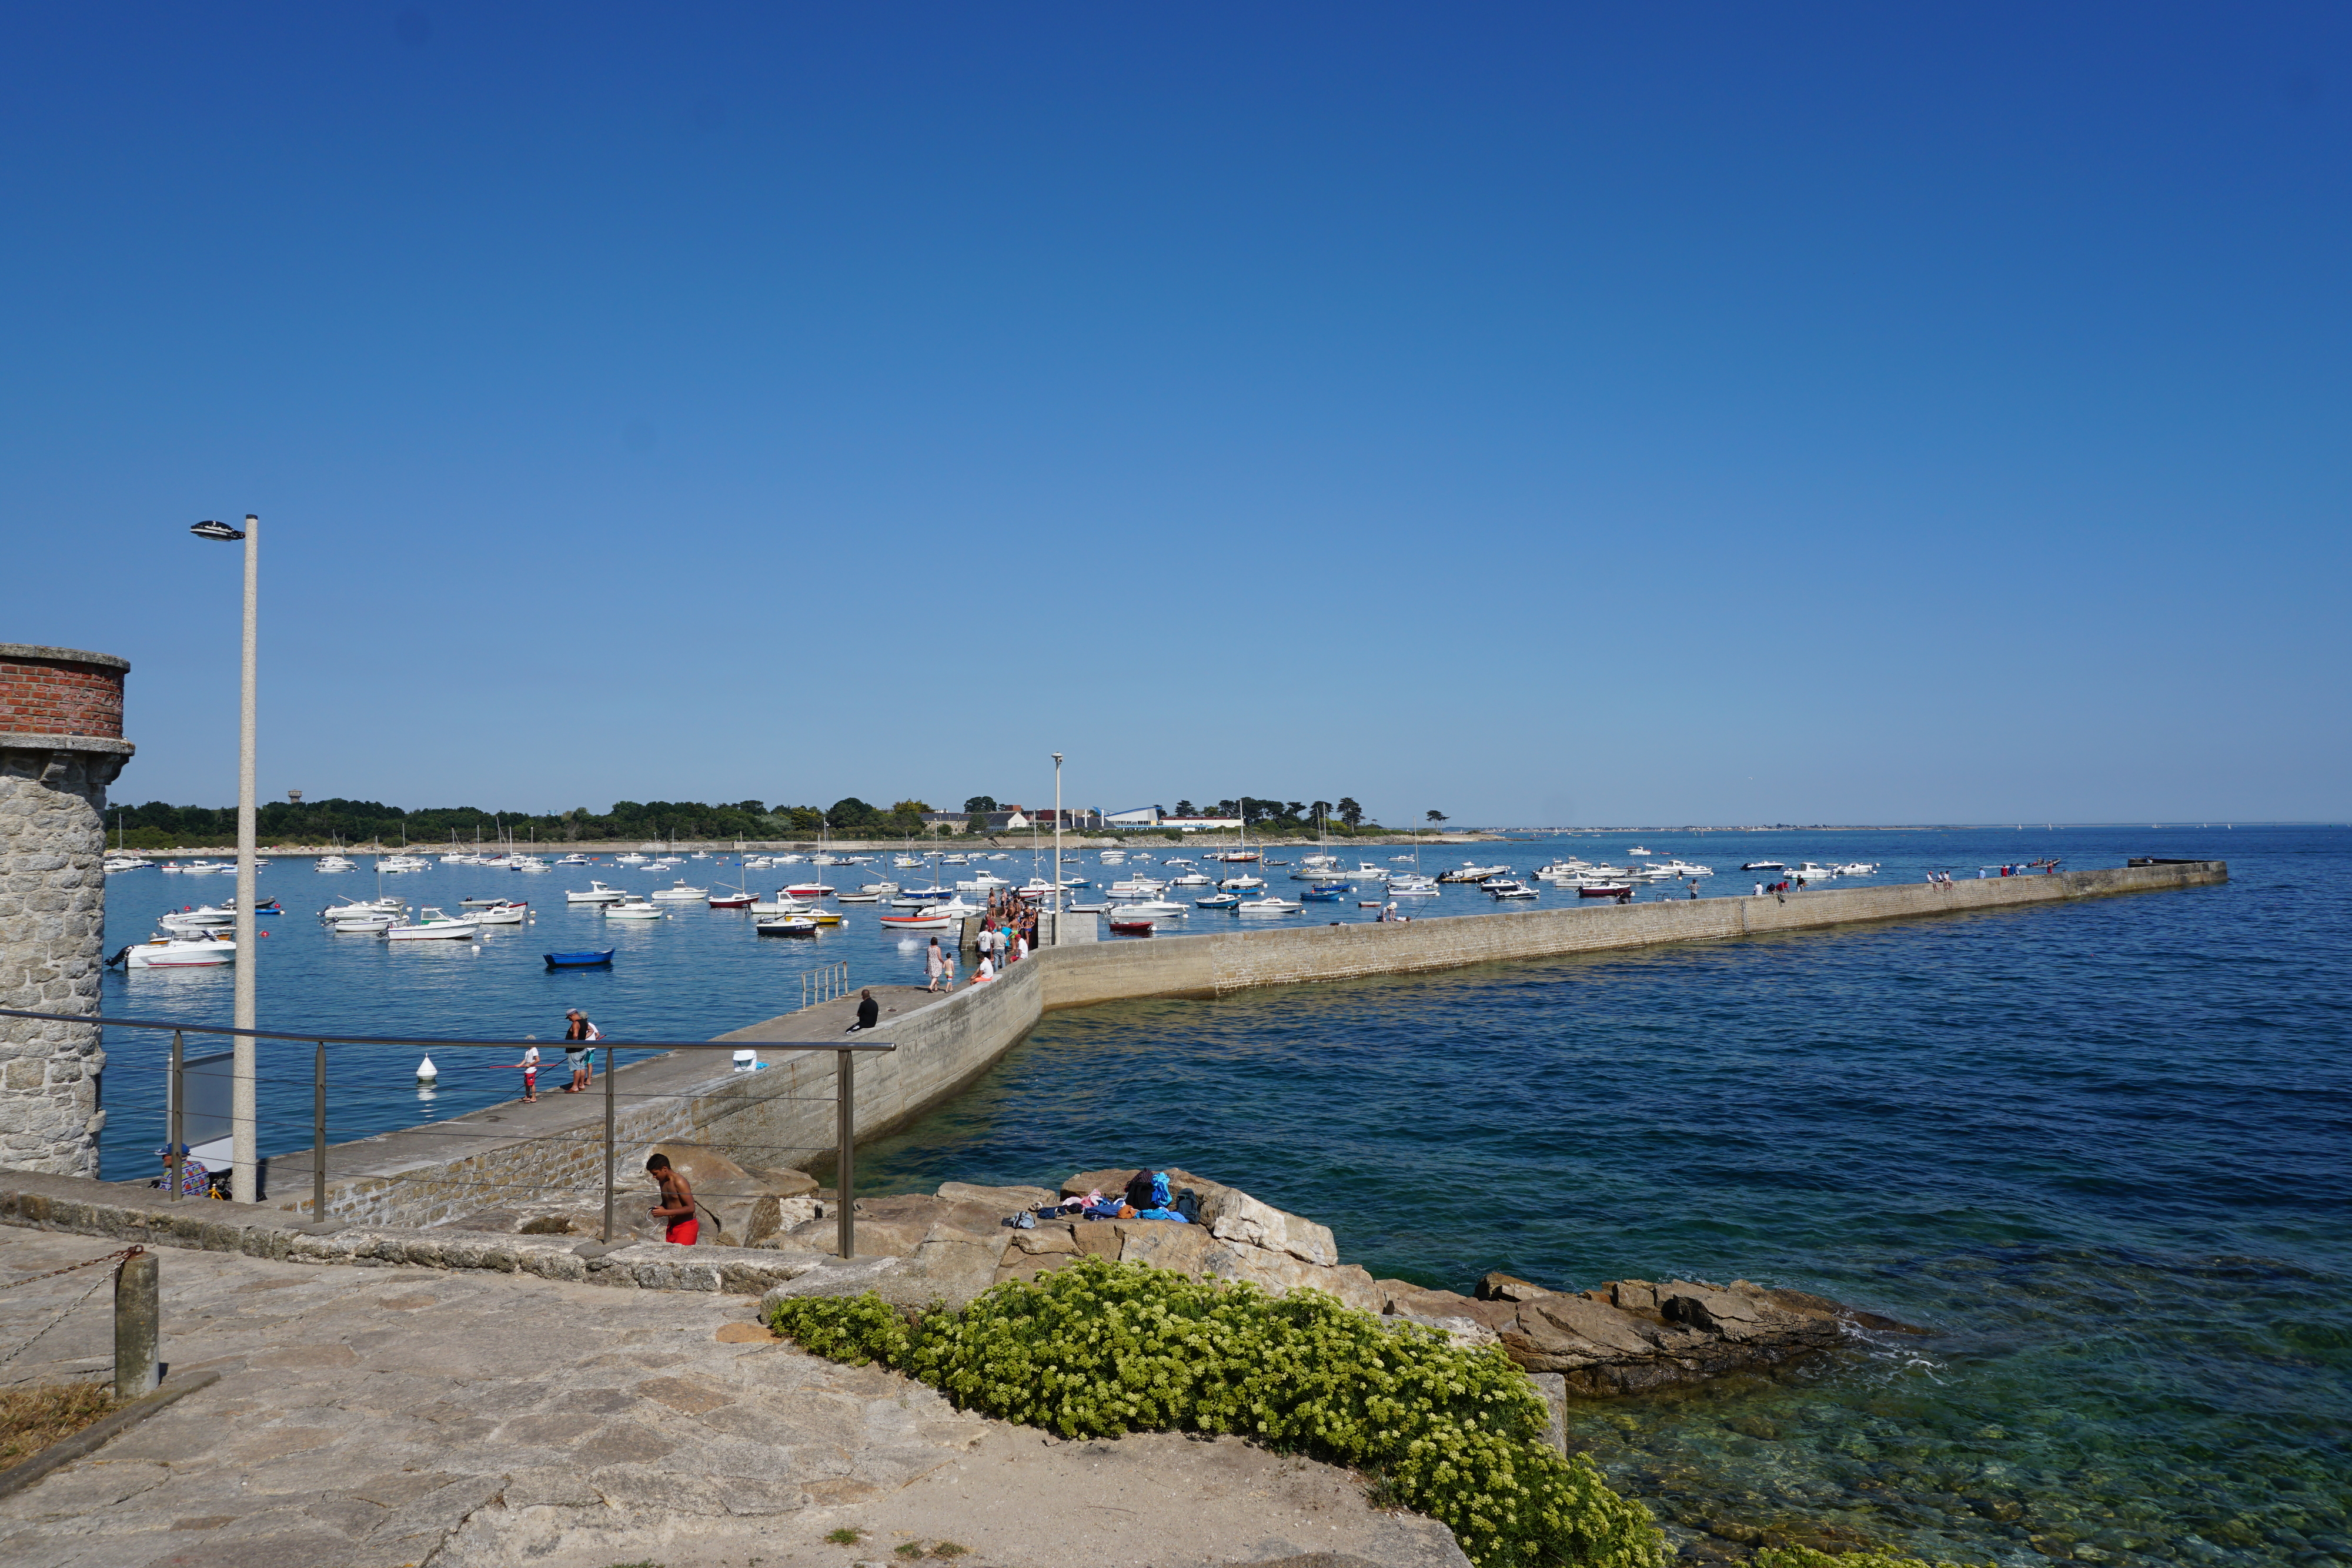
(1146, 1197)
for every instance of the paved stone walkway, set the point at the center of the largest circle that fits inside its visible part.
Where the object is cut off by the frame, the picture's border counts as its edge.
(376, 1417)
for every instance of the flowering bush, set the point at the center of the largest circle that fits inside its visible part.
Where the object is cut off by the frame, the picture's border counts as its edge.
(1097, 1349)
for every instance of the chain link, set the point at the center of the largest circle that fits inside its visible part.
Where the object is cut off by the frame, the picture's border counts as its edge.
(125, 1256)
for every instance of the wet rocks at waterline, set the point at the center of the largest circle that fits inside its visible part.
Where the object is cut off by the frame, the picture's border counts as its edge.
(1626, 1336)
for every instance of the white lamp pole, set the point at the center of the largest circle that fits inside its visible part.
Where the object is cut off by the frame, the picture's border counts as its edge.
(243, 1146)
(1058, 846)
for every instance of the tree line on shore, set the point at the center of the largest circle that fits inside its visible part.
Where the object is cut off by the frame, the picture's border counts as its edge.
(160, 825)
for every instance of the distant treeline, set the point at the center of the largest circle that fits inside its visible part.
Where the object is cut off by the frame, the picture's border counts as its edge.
(156, 825)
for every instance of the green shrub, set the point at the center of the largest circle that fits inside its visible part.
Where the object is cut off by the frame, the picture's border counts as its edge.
(1099, 1349)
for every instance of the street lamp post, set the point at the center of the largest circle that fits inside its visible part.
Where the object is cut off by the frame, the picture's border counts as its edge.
(243, 1152)
(1057, 847)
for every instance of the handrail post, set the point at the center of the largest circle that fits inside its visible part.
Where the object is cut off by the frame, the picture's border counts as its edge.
(172, 1128)
(608, 1141)
(844, 1163)
(319, 1136)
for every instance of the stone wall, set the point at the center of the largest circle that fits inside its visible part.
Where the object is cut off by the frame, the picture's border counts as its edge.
(61, 747)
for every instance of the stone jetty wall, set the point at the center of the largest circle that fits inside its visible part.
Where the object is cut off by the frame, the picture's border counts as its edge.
(784, 1114)
(60, 745)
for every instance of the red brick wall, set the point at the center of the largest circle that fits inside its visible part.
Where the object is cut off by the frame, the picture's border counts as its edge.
(52, 696)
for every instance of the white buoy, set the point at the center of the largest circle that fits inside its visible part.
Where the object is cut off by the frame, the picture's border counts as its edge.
(427, 1073)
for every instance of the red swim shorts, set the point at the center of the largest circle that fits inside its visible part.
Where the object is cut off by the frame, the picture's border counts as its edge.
(684, 1231)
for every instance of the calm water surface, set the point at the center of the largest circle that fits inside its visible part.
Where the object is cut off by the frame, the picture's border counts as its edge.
(2101, 1149)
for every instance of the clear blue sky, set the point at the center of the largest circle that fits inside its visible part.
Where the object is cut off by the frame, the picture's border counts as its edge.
(1543, 413)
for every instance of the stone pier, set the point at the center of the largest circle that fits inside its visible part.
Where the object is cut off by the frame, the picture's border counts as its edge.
(60, 745)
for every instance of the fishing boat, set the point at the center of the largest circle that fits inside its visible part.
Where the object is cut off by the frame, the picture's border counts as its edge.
(178, 952)
(597, 894)
(810, 890)
(1218, 901)
(1604, 889)
(578, 960)
(575, 860)
(1242, 883)
(1269, 905)
(1637, 850)
(501, 914)
(1501, 888)
(738, 899)
(326, 864)
(678, 893)
(1130, 928)
(1148, 909)
(1191, 879)
(1330, 894)
(359, 908)
(431, 925)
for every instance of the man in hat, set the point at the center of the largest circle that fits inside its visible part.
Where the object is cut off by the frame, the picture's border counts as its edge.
(195, 1180)
(579, 1054)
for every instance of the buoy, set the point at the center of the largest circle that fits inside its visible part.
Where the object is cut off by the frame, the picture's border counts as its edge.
(425, 1071)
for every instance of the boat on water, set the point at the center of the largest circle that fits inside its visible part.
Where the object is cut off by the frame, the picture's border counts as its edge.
(197, 919)
(1604, 890)
(784, 925)
(811, 890)
(189, 952)
(431, 925)
(1326, 894)
(920, 920)
(678, 893)
(402, 864)
(1192, 879)
(1148, 909)
(1637, 850)
(587, 960)
(1812, 871)
(504, 913)
(575, 860)
(1413, 887)
(1269, 905)
(1130, 928)
(1471, 871)
(328, 864)
(1218, 901)
(1242, 883)
(636, 909)
(738, 899)
(597, 894)
(1858, 868)
(1502, 888)
(632, 858)
(363, 908)
(1764, 866)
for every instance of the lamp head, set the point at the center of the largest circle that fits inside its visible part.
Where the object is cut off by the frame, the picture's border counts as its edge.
(208, 529)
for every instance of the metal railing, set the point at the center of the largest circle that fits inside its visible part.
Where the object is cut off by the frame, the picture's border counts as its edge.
(826, 983)
(844, 1096)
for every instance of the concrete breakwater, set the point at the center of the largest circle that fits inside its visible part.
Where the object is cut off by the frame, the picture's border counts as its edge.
(784, 1115)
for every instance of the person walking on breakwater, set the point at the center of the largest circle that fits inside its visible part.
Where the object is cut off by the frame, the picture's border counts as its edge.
(935, 964)
(869, 1012)
(580, 1058)
(676, 1205)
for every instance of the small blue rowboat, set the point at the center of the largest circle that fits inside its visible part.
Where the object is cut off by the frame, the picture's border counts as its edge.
(578, 960)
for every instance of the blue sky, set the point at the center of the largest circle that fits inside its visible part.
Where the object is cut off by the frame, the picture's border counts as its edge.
(1541, 413)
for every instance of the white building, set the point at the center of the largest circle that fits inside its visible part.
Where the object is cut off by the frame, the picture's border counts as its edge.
(1200, 824)
(1141, 817)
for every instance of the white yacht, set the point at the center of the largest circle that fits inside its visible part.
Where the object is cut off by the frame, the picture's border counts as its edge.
(333, 863)
(500, 914)
(679, 894)
(597, 894)
(636, 909)
(188, 952)
(1242, 883)
(1268, 905)
(575, 860)
(1149, 909)
(431, 925)
(198, 919)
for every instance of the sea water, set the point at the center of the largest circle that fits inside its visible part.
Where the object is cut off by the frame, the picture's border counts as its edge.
(2099, 1149)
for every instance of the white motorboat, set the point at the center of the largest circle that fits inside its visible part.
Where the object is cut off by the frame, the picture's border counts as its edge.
(575, 860)
(356, 908)
(1242, 883)
(198, 919)
(879, 887)
(179, 953)
(632, 858)
(1114, 857)
(1859, 868)
(1572, 866)
(403, 863)
(636, 909)
(1149, 909)
(366, 924)
(1809, 872)
(907, 863)
(1471, 871)
(597, 894)
(333, 863)
(1637, 850)
(924, 919)
(679, 894)
(431, 924)
(529, 863)
(1191, 879)
(1413, 887)
(1268, 905)
(1139, 887)
(1683, 868)
(1503, 887)
(501, 914)
(782, 903)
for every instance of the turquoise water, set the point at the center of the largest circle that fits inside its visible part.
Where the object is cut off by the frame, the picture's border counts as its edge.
(2101, 1149)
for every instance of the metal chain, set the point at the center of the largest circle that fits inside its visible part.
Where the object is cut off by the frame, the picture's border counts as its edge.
(61, 1317)
(127, 1253)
